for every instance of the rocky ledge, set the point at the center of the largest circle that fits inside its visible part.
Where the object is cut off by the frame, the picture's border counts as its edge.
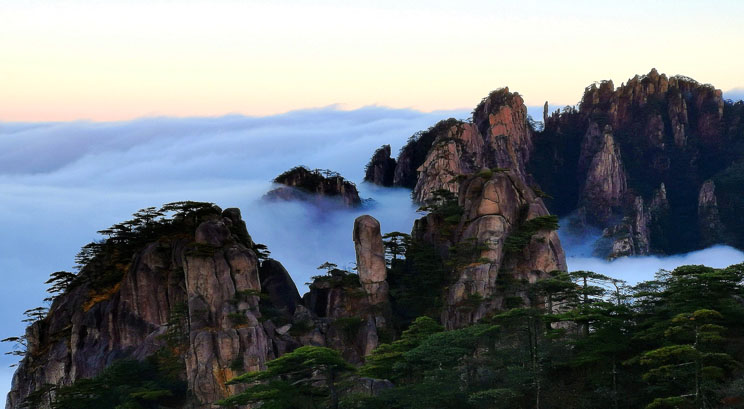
(314, 186)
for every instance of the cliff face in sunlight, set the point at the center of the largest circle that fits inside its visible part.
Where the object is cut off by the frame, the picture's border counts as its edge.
(184, 289)
(655, 162)
(193, 291)
(498, 137)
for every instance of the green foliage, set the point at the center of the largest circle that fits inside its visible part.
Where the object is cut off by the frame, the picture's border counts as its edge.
(236, 365)
(466, 252)
(381, 362)
(349, 326)
(336, 277)
(416, 284)
(245, 295)
(579, 340)
(485, 174)
(301, 328)
(730, 196)
(102, 264)
(238, 318)
(395, 244)
(124, 384)
(444, 204)
(176, 333)
(520, 238)
(20, 346)
(262, 251)
(304, 378)
(60, 282)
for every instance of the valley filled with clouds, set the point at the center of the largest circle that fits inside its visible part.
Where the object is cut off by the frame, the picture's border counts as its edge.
(62, 182)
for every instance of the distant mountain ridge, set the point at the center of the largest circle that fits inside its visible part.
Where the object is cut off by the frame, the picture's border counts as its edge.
(656, 162)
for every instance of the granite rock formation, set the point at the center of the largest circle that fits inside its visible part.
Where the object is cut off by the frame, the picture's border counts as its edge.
(499, 136)
(314, 186)
(605, 159)
(199, 276)
(208, 274)
(381, 168)
(711, 228)
(600, 159)
(495, 206)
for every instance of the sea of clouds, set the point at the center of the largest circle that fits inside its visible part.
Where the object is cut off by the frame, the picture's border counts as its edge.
(61, 182)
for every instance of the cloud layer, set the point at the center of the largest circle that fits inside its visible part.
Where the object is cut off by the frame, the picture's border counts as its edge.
(61, 182)
(735, 94)
(579, 247)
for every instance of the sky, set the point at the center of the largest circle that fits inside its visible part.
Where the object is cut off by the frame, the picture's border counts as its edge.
(116, 60)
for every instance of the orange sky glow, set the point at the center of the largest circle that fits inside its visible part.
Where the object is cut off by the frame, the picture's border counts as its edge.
(76, 59)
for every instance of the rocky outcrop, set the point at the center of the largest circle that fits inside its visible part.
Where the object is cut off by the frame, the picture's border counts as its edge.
(278, 286)
(344, 318)
(596, 158)
(314, 186)
(370, 259)
(622, 143)
(709, 222)
(223, 324)
(501, 119)
(414, 153)
(499, 136)
(632, 235)
(198, 276)
(202, 281)
(604, 177)
(381, 168)
(496, 206)
(457, 151)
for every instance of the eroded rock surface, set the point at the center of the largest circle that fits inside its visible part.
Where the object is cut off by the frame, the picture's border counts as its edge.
(314, 186)
(495, 206)
(381, 168)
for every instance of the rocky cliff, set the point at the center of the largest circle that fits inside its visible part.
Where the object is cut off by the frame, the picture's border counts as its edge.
(194, 288)
(499, 136)
(603, 161)
(197, 272)
(381, 168)
(606, 158)
(504, 233)
(314, 186)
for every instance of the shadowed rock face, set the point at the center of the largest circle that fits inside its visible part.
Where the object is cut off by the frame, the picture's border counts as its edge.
(596, 159)
(381, 168)
(303, 184)
(605, 182)
(278, 285)
(495, 206)
(711, 228)
(652, 130)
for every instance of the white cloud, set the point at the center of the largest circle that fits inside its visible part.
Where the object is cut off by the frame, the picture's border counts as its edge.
(61, 182)
(579, 248)
(735, 94)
